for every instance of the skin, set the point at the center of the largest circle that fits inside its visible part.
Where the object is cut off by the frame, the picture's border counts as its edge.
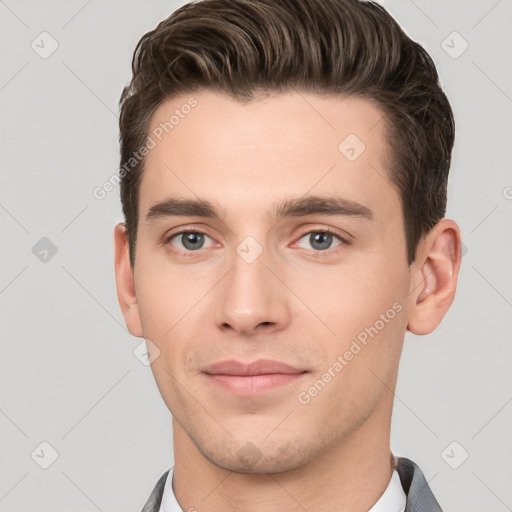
(294, 303)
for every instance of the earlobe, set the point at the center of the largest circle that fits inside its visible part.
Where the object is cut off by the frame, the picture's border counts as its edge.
(434, 277)
(125, 282)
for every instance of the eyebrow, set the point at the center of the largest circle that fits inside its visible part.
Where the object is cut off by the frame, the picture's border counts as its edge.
(288, 207)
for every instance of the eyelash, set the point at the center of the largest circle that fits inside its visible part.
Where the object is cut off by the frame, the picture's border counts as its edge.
(311, 251)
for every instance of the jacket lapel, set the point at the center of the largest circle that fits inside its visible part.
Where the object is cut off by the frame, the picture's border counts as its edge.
(419, 495)
(153, 503)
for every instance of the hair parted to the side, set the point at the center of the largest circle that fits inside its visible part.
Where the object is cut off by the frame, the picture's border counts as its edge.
(250, 48)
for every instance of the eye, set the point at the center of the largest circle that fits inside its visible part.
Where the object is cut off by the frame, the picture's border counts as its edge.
(188, 241)
(321, 240)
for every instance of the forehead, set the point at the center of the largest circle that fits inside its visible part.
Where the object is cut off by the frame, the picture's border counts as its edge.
(245, 156)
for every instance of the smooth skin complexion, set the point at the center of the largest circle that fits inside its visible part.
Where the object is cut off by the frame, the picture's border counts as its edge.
(247, 443)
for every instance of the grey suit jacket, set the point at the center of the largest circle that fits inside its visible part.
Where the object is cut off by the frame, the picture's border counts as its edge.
(419, 495)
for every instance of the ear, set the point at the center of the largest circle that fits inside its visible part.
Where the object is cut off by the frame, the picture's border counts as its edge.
(434, 276)
(125, 282)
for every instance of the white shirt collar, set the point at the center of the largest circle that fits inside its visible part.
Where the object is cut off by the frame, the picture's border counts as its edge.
(392, 500)
(169, 502)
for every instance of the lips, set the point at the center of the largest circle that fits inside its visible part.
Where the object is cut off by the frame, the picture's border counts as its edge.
(260, 367)
(251, 378)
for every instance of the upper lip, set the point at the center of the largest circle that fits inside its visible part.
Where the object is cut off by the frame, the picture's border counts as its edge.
(259, 367)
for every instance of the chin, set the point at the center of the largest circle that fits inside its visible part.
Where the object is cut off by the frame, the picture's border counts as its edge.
(260, 456)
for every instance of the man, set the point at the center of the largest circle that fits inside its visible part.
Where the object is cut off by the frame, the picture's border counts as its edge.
(284, 168)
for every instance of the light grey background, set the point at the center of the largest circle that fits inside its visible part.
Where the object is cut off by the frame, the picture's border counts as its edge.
(68, 374)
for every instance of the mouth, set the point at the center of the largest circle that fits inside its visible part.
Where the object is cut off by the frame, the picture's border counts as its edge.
(252, 378)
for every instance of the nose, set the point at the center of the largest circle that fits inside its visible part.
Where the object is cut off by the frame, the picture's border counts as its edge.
(251, 299)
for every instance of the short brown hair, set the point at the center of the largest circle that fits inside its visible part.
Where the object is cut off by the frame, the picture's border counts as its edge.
(247, 48)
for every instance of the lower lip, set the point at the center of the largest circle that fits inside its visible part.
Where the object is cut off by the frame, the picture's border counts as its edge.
(254, 384)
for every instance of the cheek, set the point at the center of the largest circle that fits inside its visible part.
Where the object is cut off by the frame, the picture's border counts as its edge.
(365, 307)
(165, 298)
(172, 311)
(353, 297)
(362, 355)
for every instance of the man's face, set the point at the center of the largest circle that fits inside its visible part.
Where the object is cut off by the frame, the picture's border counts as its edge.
(321, 292)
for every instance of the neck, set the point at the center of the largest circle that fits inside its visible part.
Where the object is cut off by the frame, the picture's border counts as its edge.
(349, 475)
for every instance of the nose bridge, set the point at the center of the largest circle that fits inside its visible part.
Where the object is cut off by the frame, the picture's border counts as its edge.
(251, 295)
